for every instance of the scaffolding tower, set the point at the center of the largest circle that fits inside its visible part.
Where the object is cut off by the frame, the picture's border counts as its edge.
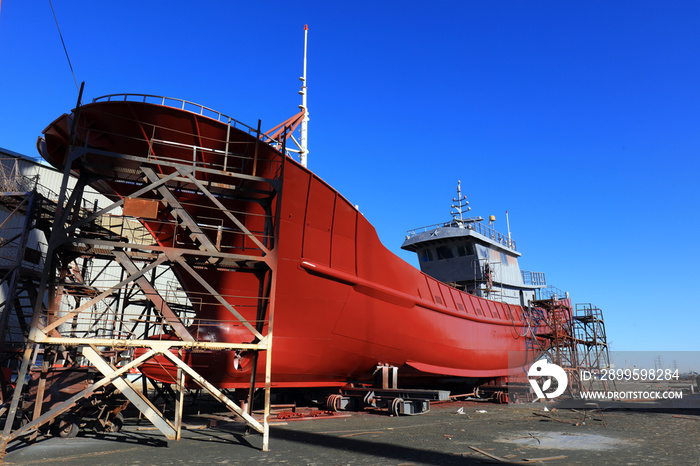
(25, 226)
(591, 341)
(105, 264)
(560, 344)
(575, 340)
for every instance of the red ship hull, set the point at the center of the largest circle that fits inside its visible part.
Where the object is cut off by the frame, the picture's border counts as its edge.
(344, 303)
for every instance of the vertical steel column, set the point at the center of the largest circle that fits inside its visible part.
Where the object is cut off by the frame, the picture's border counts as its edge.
(179, 400)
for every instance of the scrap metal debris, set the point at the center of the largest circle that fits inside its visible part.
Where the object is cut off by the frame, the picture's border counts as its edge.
(312, 414)
(501, 459)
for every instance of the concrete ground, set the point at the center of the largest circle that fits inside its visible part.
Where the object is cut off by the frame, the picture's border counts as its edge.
(451, 433)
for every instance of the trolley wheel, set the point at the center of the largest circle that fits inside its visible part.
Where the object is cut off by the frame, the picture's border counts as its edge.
(333, 403)
(116, 423)
(68, 429)
(396, 406)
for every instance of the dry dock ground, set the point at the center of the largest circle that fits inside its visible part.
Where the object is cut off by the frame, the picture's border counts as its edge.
(451, 433)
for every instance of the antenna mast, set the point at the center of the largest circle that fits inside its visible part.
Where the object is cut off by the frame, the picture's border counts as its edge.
(461, 203)
(305, 122)
(508, 225)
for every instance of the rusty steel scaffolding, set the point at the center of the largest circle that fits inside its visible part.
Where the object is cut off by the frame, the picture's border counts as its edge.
(591, 341)
(111, 315)
(19, 278)
(575, 340)
(560, 346)
(25, 226)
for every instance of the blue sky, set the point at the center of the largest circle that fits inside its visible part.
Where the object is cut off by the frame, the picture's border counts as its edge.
(581, 118)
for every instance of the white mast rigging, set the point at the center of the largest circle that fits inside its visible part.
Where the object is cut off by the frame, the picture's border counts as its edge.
(304, 150)
(286, 129)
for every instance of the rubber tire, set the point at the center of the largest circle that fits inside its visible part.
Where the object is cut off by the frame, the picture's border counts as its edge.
(116, 423)
(68, 430)
(396, 406)
(333, 403)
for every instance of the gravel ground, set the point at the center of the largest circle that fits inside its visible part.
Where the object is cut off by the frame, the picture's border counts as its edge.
(451, 433)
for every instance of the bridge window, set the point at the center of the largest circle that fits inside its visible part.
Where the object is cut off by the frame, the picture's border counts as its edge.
(465, 249)
(426, 255)
(444, 252)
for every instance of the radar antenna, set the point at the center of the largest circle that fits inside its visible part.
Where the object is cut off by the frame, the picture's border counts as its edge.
(461, 203)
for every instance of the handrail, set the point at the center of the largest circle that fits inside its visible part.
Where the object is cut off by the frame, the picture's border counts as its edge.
(11, 179)
(471, 225)
(181, 104)
(198, 109)
(533, 278)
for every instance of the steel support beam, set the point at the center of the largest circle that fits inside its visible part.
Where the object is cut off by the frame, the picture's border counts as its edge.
(152, 294)
(215, 392)
(179, 212)
(228, 214)
(136, 398)
(218, 297)
(66, 405)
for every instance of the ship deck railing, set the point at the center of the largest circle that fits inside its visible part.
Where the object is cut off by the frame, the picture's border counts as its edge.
(197, 109)
(533, 278)
(476, 226)
(179, 104)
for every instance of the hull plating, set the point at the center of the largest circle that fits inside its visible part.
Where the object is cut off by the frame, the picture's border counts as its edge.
(343, 301)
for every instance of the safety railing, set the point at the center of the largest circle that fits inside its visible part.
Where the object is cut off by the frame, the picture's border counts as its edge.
(475, 226)
(198, 109)
(176, 103)
(533, 278)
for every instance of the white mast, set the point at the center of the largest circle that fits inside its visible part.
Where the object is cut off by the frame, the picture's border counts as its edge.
(461, 203)
(508, 226)
(305, 122)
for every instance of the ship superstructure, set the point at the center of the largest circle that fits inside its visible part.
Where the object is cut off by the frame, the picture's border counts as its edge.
(473, 257)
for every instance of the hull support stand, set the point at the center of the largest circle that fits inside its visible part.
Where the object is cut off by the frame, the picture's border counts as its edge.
(145, 318)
